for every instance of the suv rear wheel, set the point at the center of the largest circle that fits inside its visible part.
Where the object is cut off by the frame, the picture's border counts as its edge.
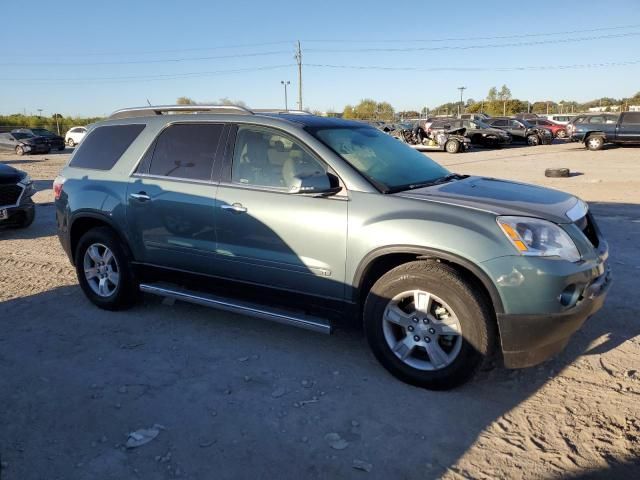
(595, 142)
(428, 326)
(104, 271)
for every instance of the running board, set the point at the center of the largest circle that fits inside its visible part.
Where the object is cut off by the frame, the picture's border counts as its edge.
(276, 315)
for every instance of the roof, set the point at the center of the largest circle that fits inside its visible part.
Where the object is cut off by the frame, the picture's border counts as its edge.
(316, 121)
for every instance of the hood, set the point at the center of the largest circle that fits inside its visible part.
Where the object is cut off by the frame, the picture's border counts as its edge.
(9, 174)
(501, 197)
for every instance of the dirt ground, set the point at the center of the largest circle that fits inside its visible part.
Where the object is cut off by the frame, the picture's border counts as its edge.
(236, 397)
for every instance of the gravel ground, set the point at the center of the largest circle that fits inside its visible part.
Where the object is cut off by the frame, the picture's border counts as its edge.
(235, 397)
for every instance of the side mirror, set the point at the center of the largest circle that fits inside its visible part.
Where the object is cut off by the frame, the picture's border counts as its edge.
(317, 184)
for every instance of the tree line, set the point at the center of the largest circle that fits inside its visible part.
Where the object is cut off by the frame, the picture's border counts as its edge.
(55, 123)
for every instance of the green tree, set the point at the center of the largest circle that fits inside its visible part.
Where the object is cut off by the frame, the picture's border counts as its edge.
(492, 96)
(185, 101)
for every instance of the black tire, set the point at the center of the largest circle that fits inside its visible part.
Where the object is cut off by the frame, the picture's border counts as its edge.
(27, 218)
(472, 309)
(557, 172)
(452, 146)
(594, 142)
(127, 291)
(19, 151)
(533, 140)
(71, 143)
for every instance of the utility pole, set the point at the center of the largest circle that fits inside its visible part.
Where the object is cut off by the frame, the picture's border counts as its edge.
(286, 103)
(298, 58)
(462, 89)
(547, 108)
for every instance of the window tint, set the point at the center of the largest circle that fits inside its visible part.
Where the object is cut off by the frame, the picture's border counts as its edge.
(631, 117)
(104, 146)
(269, 159)
(500, 123)
(186, 151)
(597, 119)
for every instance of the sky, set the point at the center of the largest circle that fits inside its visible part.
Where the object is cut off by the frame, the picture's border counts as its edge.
(91, 58)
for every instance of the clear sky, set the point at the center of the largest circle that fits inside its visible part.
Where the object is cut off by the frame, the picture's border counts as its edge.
(90, 58)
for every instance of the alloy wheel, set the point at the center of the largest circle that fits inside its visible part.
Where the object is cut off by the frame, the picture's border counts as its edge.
(101, 270)
(422, 330)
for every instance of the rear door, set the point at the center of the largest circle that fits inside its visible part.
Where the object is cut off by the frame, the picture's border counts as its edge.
(6, 143)
(268, 236)
(171, 198)
(629, 127)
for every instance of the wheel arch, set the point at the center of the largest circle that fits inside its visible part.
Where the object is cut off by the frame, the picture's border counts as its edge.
(594, 132)
(379, 261)
(85, 221)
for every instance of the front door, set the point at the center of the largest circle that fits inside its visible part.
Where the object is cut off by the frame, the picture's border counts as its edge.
(629, 129)
(171, 199)
(270, 237)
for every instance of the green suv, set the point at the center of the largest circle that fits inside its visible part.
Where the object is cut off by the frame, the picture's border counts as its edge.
(307, 220)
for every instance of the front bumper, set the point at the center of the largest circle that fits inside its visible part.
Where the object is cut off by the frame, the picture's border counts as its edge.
(530, 339)
(36, 148)
(17, 214)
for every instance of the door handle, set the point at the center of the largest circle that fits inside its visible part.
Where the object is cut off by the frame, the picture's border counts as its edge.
(142, 196)
(236, 207)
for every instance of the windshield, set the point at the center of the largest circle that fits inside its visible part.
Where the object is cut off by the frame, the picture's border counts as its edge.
(21, 135)
(478, 124)
(42, 132)
(387, 162)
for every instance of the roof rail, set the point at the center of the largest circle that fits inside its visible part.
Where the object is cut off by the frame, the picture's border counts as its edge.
(164, 109)
(281, 110)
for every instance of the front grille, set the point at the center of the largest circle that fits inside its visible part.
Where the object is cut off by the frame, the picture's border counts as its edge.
(587, 225)
(9, 194)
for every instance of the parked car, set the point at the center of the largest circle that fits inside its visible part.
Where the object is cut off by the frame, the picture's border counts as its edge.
(562, 119)
(298, 218)
(75, 135)
(54, 141)
(600, 129)
(526, 116)
(478, 133)
(557, 130)
(590, 118)
(474, 116)
(522, 131)
(442, 139)
(21, 143)
(16, 206)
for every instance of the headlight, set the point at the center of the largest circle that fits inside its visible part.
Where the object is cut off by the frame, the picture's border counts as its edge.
(537, 237)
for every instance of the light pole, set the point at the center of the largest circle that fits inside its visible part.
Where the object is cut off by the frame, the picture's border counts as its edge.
(462, 89)
(286, 104)
(39, 112)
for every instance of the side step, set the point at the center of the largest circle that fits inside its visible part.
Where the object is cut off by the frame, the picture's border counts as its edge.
(245, 308)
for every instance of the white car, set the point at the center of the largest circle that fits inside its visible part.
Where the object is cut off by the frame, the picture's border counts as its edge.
(74, 136)
(562, 119)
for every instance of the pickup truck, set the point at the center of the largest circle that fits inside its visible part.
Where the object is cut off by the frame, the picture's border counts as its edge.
(626, 131)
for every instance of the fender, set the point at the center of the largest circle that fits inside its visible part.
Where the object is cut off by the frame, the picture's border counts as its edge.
(94, 215)
(426, 252)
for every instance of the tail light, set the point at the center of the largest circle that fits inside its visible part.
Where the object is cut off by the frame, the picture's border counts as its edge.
(57, 186)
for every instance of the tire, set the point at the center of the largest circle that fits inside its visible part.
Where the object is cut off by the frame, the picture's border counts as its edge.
(19, 151)
(452, 146)
(533, 140)
(115, 295)
(71, 143)
(465, 352)
(594, 142)
(60, 149)
(561, 134)
(27, 219)
(557, 172)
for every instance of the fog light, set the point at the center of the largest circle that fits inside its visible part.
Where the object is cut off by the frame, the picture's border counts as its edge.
(569, 296)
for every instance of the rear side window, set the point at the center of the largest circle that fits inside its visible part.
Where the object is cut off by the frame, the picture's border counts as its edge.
(104, 146)
(631, 117)
(186, 151)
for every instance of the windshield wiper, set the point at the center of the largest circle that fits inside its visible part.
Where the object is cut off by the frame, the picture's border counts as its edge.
(430, 183)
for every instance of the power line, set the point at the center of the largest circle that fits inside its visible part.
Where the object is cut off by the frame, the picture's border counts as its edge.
(476, 69)
(472, 47)
(141, 62)
(460, 39)
(134, 78)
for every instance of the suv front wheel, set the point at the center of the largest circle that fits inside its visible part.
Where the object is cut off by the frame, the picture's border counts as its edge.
(428, 326)
(104, 271)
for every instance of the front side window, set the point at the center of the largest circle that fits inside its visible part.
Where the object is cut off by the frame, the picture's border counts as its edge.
(386, 162)
(266, 158)
(186, 151)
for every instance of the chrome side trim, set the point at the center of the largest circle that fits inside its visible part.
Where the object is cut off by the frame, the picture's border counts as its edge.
(578, 211)
(220, 303)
